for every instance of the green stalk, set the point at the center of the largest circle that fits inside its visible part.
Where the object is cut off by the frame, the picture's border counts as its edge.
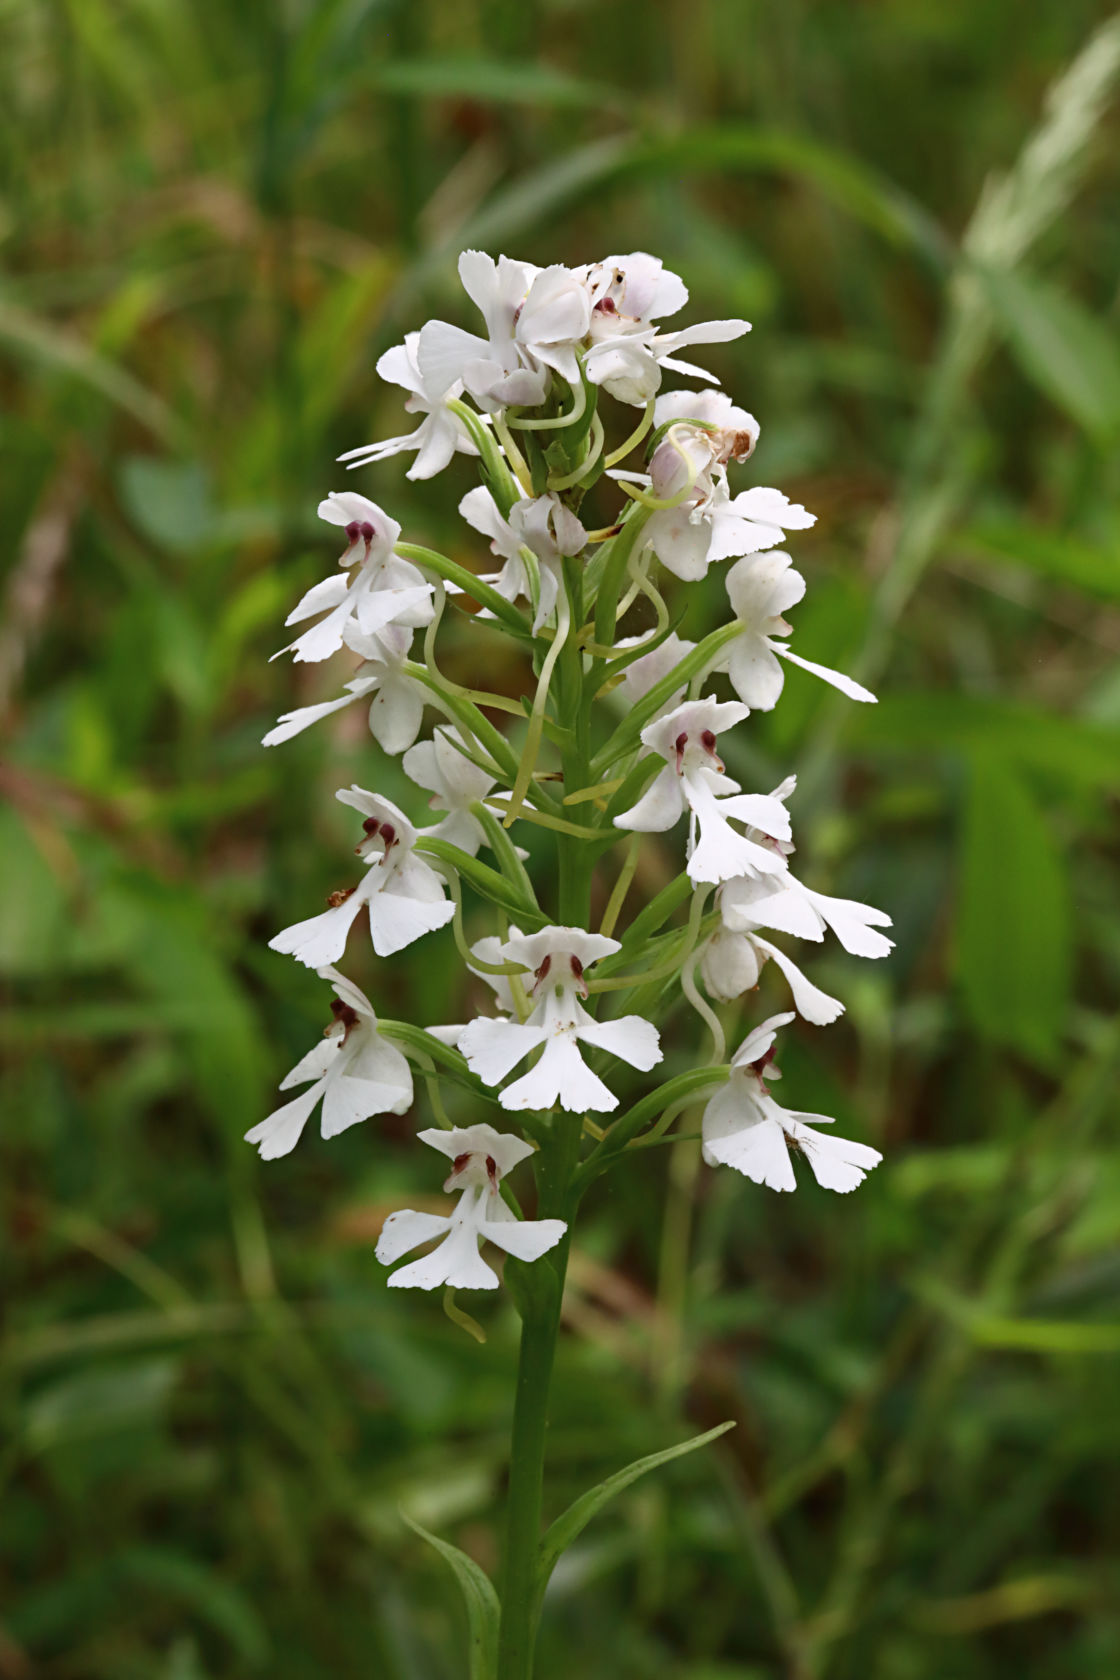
(539, 1289)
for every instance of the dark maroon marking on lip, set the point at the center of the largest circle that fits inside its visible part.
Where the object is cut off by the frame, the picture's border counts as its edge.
(353, 532)
(577, 966)
(607, 306)
(366, 530)
(542, 971)
(371, 825)
(344, 1013)
(492, 1168)
(389, 834)
(763, 1062)
(460, 1162)
(708, 741)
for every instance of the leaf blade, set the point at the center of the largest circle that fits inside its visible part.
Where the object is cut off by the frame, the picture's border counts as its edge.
(479, 1599)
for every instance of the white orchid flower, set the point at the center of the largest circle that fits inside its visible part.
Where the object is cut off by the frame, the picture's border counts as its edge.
(628, 353)
(355, 1074)
(744, 1128)
(694, 780)
(709, 524)
(440, 766)
(557, 958)
(384, 590)
(480, 1158)
(437, 437)
(761, 588)
(631, 293)
(782, 903)
(396, 700)
(404, 895)
(540, 523)
(491, 369)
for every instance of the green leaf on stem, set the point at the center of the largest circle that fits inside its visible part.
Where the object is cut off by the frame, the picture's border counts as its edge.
(479, 1597)
(575, 1519)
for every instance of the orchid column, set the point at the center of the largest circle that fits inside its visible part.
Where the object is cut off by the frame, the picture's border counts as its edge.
(622, 739)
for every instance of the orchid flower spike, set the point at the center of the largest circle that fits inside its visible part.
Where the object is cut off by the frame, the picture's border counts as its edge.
(480, 1158)
(354, 1072)
(694, 779)
(404, 895)
(761, 588)
(437, 437)
(744, 1128)
(557, 958)
(384, 590)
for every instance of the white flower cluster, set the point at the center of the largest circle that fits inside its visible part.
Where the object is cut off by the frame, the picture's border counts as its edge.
(522, 397)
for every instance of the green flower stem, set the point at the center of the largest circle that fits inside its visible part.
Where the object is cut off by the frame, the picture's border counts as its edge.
(672, 1093)
(538, 1289)
(636, 719)
(614, 571)
(450, 570)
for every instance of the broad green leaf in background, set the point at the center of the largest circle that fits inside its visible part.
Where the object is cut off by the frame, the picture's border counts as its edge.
(1071, 356)
(483, 1609)
(571, 1524)
(1012, 929)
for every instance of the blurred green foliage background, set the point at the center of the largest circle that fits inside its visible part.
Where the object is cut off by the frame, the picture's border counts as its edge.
(213, 219)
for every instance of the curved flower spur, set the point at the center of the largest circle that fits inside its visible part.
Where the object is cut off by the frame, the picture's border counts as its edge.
(622, 736)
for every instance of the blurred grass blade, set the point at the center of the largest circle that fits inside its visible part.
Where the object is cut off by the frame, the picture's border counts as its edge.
(1013, 935)
(1055, 555)
(61, 351)
(571, 1524)
(841, 178)
(1072, 357)
(479, 1597)
(498, 80)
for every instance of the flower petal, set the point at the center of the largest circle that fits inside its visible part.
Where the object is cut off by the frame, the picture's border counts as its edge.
(812, 1004)
(493, 1048)
(279, 1133)
(561, 1076)
(635, 1040)
(407, 1229)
